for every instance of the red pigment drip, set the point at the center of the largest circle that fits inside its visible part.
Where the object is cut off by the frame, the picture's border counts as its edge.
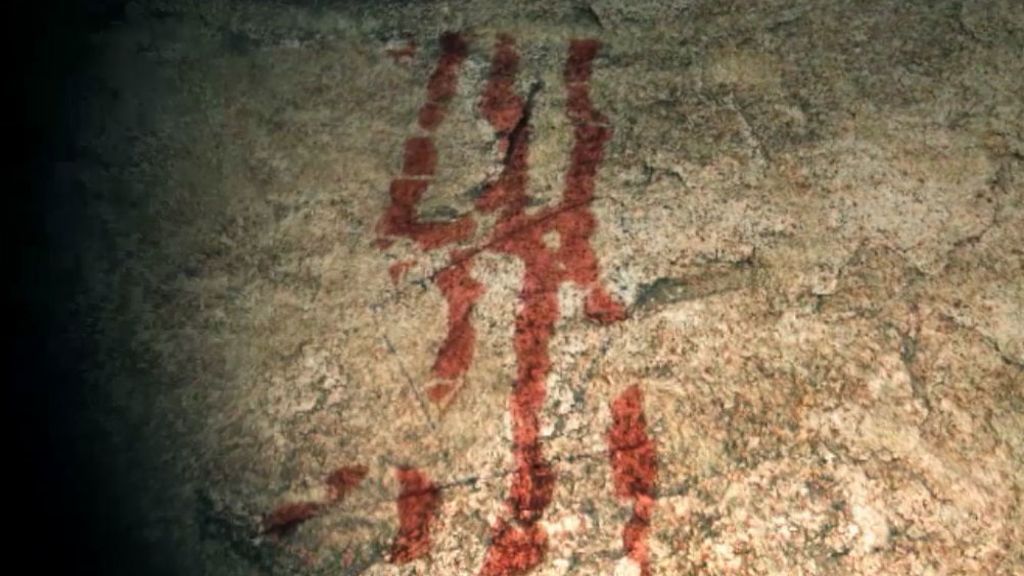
(400, 218)
(635, 469)
(418, 505)
(518, 543)
(398, 270)
(287, 517)
(438, 392)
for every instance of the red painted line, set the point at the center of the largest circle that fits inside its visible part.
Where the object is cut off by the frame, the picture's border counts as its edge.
(634, 463)
(442, 84)
(420, 161)
(519, 542)
(418, 504)
(284, 519)
(461, 292)
(400, 218)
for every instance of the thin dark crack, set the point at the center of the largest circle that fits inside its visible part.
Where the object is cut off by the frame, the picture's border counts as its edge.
(540, 219)
(516, 135)
(409, 382)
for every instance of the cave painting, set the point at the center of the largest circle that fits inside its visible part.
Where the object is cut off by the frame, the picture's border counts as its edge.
(553, 245)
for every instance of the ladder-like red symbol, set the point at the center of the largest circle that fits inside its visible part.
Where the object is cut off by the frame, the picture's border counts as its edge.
(554, 245)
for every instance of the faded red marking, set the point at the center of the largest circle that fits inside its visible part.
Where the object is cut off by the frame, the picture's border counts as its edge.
(418, 505)
(635, 469)
(344, 480)
(514, 550)
(438, 392)
(398, 270)
(287, 517)
(400, 218)
(442, 84)
(505, 110)
(518, 541)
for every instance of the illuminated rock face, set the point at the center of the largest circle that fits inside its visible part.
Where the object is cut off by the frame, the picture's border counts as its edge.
(572, 288)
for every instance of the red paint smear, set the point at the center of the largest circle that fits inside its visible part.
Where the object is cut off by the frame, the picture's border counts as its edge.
(514, 550)
(438, 392)
(398, 270)
(344, 480)
(504, 109)
(420, 157)
(635, 468)
(442, 84)
(418, 505)
(286, 518)
(461, 292)
(518, 543)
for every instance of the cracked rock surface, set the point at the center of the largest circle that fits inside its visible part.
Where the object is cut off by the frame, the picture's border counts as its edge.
(811, 212)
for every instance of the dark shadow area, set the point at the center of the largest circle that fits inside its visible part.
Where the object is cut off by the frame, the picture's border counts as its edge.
(66, 516)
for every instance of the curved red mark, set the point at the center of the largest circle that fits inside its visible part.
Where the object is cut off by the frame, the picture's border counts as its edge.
(461, 292)
(418, 504)
(398, 270)
(287, 517)
(420, 161)
(635, 468)
(344, 480)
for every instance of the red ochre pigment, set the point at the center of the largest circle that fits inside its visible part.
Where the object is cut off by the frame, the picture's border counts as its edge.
(519, 542)
(460, 291)
(418, 504)
(442, 83)
(287, 517)
(420, 161)
(635, 469)
(398, 270)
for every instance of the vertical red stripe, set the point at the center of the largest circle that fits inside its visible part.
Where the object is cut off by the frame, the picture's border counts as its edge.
(635, 468)
(418, 504)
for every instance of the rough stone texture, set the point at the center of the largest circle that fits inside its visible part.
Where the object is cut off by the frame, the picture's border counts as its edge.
(813, 211)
